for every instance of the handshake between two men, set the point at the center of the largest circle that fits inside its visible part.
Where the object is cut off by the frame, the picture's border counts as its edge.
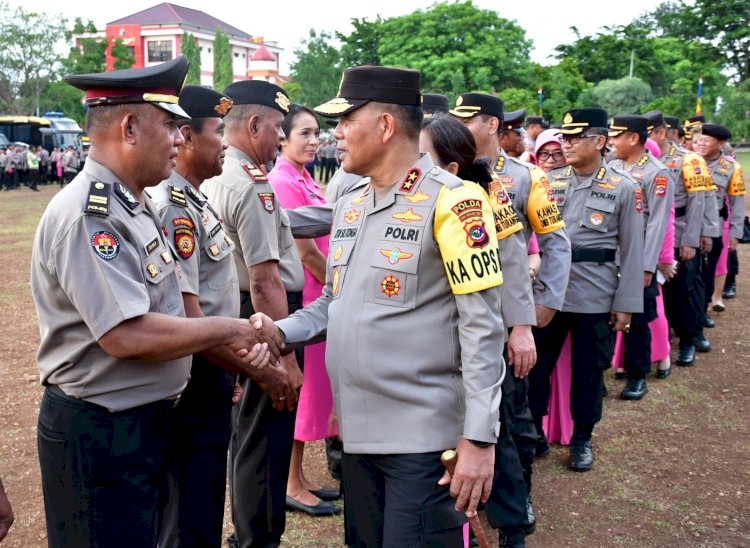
(266, 365)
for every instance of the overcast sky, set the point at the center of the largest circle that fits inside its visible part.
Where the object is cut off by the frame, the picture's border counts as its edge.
(546, 22)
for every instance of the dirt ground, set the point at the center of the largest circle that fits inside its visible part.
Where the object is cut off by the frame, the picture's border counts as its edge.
(670, 470)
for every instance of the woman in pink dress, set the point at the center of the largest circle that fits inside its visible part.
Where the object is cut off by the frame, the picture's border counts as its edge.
(558, 424)
(294, 187)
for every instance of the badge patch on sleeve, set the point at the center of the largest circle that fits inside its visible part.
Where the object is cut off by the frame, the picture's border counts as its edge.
(266, 198)
(466, 237)
(105, 244)
(184, 242)
(638, 199)
(660, 183)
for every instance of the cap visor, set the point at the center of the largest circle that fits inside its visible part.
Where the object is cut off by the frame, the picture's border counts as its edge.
(173, 108)
(339, 106)
(572, 130)
(614, 132)
(464, 113)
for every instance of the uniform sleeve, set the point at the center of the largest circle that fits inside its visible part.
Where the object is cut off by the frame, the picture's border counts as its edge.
(465, 234)
(666, 256)
(517, 299)
(99, 251)
(482, 336)
(552, 281)
(307, 325)
(712, 225)
(541, 209)
(736, 194)
(255, 213)
(182, 236)
(692, 233)
(660, 194)
(629, 294)
(311, 221)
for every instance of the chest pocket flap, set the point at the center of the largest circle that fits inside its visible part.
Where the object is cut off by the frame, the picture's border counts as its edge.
(396, 256)
(598, 213)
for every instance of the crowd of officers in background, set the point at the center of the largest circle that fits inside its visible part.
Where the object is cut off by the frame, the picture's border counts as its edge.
(30, 166)
(594, 221)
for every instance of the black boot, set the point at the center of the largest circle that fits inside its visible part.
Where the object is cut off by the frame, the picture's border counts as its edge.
(634, 390)
(702, 344)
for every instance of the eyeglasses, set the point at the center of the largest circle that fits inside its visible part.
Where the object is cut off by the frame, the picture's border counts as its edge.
(575, 139)
(545, 156)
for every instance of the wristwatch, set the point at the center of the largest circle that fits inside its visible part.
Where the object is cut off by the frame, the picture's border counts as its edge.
(481, 444)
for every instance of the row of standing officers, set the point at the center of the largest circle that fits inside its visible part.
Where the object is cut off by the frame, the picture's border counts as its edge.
(427, 273)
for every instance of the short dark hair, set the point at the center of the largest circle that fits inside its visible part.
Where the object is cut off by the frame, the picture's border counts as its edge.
(294, 113)
(105, 115)
(195, 124)
(409, 116)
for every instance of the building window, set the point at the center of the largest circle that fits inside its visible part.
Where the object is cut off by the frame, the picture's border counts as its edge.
(131, 51)
(237, 55)
(159, 51)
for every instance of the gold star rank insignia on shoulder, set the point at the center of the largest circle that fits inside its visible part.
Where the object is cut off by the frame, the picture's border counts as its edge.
(407, 185)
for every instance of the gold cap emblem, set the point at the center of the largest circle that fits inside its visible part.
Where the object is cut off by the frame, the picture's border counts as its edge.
(223, 107)
(460, 100)
(568, 118)
(283, 101)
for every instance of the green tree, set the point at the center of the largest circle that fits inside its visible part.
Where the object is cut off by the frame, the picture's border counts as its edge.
(735, 112)
(623, 96)
(223, 74)
(191, 50)
(28, 58)
(122, 55)
(361, 46)
(563, 86)
(316, 70)
(518, 98)
(90, 56)
(493, 56)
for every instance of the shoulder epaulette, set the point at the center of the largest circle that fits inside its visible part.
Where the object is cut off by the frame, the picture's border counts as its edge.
(98, 200)
(254, 172)
(601, 173)
(410, 180)
(196, 197)
(500, 165)
(126, 197)
(445, 178)
(643, 161)
(176, 196)
(672, 150)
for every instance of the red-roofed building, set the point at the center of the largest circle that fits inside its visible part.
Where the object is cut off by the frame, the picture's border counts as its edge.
(154, 35)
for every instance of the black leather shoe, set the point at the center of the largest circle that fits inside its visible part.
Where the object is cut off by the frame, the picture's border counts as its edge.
(512, 537)
(542, 445)
(634, 390)
(664, 373)
(327, 494)
(619, 375)
(581, 456)
(702, 344)
(708, 322)
(530, 516)
(321, 509)
(686, 356)
(719, 307)
(232, 541)
(730, 292)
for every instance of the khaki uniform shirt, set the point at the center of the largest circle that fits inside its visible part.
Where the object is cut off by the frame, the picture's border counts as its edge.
(99, 259)
(603, 211)
(533, 199)
(198, 240)
(730, 185)
(253, 220)
(411, 304)
(653, 181)
(690, 174)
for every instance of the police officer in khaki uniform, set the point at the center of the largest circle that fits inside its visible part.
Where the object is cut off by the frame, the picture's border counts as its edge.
(198, 465)
(411, 305)
(682, 303)
(628, 136)
(115, 347)
(602, 213)
(271, 278)
(730, 192)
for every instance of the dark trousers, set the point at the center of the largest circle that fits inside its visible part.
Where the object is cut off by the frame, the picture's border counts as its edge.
(683, 303)
(330, 168)
(194, 512)
(733, 267)
(708, 273)
(395, 502)
(506, 506)
(260, 452)
(638, 339)
(103, 474)
(592, 347)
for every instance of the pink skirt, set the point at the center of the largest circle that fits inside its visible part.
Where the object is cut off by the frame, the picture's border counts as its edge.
(558, 424)
(721, 267)
(315, 408)
(659, 337)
